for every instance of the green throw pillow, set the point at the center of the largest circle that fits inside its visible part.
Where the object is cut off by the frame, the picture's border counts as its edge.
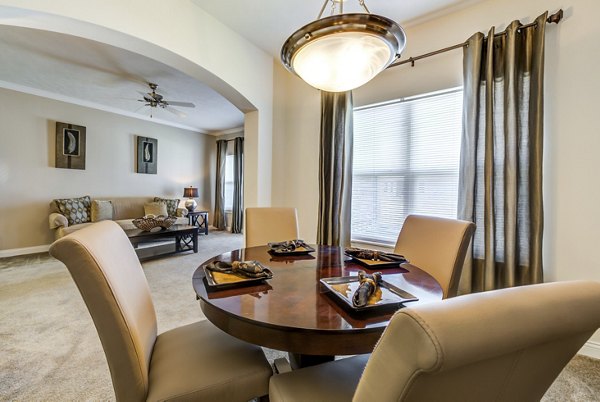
(76, 210)
(172, 205)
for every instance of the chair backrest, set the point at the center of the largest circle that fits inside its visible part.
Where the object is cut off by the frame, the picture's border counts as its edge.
(264, 225)
(110, 279)
(503, 345)
(437, 246)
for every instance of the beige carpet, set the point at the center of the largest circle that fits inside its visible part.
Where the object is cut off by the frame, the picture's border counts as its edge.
(49, 349)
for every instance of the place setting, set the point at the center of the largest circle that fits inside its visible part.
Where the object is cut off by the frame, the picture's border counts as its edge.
(290, 250)
(375, 259)
(366, 292)
(224, 275)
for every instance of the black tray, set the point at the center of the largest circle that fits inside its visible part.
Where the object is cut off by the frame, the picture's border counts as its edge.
(343, 288)
(240, 281)
(376, 264)
(297, 251)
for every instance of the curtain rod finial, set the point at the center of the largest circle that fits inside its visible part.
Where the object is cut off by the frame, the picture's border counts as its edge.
(556, 17)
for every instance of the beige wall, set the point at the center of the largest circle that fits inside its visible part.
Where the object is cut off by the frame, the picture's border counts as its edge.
(29, 180)
(197, 44)
(572, 143)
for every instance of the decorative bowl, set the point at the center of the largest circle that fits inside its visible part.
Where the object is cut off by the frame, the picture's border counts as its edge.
(148, 223)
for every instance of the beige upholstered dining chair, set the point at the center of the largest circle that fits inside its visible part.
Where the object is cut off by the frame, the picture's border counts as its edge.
(503, 345)
(264, 225)
(437, 246)
(192, 362)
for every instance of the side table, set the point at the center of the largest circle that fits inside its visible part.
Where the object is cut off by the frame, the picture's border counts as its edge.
(199, 219)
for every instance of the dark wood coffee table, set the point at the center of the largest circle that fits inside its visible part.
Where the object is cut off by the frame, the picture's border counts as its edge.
(185, 239)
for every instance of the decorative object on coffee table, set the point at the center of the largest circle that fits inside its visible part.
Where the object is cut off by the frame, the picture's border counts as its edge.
(70, 146)
(190, 193)
(150, 222)
(147, 153)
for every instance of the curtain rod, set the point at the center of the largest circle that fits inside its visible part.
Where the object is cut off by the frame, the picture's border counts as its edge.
(554, 18)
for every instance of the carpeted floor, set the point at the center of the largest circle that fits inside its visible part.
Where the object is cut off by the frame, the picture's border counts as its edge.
(49, 349)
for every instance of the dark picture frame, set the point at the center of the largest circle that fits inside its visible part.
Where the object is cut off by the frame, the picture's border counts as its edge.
(70, 146)
(147, 155)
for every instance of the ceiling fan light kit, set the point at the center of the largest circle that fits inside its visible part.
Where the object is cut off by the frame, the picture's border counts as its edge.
(343, 51)
(154, 100)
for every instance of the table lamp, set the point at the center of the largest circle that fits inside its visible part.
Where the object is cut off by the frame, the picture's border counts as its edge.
(190, 192)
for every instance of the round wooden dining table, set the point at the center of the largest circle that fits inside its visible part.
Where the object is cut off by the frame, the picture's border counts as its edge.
(294, 312)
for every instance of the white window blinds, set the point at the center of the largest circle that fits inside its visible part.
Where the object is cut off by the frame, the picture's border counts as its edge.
(406, 156)
(229, 182)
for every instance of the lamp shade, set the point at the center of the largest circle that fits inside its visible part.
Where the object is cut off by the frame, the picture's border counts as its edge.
(342, 52)
(190, 192)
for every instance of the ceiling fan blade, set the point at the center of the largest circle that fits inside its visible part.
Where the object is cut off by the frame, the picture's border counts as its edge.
(175, 111)
(180, 104)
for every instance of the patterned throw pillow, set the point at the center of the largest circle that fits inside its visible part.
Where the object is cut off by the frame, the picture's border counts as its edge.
(76, 210)
(172, 205)
(102, 210)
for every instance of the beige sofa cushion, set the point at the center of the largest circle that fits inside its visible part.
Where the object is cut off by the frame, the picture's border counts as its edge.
(129, 207)
(102, 210)
(155, 208)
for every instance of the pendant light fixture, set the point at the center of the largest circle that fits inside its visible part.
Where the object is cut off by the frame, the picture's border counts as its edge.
(343, 51)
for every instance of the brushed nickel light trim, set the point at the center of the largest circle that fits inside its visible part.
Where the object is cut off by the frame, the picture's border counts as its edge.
(367, 29)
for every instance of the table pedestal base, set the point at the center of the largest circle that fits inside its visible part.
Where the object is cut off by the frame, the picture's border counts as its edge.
(298, 360)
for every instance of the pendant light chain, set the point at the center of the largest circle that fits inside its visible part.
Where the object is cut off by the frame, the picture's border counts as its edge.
(362, 3)
(322, 9)
(333, 7)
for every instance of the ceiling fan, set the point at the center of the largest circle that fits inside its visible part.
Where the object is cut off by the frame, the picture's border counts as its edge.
(153, 100)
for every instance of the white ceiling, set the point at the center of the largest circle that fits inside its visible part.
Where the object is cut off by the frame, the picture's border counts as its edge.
(268, 23)
(93, 74)
(96, 75)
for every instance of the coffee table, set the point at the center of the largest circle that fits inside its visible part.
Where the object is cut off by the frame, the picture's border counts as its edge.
(185, 239)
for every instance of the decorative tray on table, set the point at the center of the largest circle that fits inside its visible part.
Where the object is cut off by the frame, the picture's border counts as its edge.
(374, 259)
(290, 247)
(387, 294)
(222, 275)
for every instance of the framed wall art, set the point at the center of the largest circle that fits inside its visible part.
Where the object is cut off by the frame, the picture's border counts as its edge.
(70, 146)
(147, 153)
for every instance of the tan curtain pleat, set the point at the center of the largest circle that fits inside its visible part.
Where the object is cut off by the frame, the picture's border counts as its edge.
(335, 169)
(238, 186)
(501, 157)
(219, 221)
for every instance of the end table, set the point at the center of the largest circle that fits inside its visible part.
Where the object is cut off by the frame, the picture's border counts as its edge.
(199, 219)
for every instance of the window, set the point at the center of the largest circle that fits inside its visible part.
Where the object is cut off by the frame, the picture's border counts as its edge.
(406, 157)
(229, 183)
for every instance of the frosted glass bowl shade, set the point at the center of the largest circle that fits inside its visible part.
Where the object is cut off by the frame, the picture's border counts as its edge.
(343, 52)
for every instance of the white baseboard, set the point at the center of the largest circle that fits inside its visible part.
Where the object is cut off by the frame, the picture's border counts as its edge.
(591, 349)
(25, 250)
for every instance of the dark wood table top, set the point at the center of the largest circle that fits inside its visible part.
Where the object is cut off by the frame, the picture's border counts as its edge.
(172, 230)
(293, 312)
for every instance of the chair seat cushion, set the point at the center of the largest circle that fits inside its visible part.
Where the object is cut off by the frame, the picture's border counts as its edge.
(201, 362)
(334, 381)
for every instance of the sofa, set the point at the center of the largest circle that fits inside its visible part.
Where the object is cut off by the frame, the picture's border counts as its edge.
(70, 214)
